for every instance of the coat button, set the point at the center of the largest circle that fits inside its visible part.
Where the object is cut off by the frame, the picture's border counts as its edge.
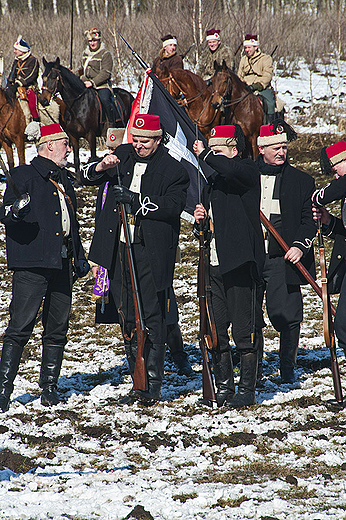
(339, 257)
(111, 230)
(115, 210)
(57, 234)
(57, 212)
(54, 193)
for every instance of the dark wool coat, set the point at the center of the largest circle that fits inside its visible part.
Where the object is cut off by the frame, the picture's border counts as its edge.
(36, 241)
(165, 183)
(235, 198)
(298, 226)
(24, 72)
(335, 190)
(174, 61)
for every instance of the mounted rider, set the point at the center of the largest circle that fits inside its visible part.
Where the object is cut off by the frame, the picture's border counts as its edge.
(96, 72)
(168, 55)
(256, 70)
(23, 78)
(215, 51)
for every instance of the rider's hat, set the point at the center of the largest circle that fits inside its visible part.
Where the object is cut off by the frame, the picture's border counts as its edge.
(93, 34)
(146, 125)
(251, 39)
(227, 135)
(114, 137)
(21, 44)
(332, 155)
(169, 40)
(276, 133)
(51, 133)
(213, 34)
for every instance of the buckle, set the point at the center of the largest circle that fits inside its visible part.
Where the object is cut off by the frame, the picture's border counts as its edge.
(131, 219)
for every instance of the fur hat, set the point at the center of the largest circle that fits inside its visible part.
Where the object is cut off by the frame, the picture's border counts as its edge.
(114, 137)
(278, 132)
(251, 39)
(21, 44)
(42, 134)
(92, 34)
(213, 34)
(169, 40)
(332, 155)
(227, 135)
(146, 125)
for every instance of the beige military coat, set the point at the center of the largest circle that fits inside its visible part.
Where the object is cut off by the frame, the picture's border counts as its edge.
(257, 69)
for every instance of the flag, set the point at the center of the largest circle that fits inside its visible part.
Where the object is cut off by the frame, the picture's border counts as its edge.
(153, 98)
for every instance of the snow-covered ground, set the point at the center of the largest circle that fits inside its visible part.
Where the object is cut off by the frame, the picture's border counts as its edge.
(88, 458)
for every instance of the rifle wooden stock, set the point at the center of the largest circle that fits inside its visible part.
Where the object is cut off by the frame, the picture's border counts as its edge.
(205, 341)
(328, 328)
(140, 374)
(298, 265)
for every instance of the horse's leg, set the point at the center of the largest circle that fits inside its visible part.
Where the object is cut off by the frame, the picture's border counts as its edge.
(20, 145)
(9, 154)
(91, 137)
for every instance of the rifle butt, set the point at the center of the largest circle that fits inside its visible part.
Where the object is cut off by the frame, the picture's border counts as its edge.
(139, 376)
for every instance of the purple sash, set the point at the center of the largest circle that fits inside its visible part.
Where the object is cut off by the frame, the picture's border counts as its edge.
(101, 287)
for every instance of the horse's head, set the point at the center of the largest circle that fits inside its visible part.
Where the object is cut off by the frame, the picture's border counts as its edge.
(51, 80)
(222, 84)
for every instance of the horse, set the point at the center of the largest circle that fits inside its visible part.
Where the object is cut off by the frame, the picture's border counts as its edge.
(240, 105)
(83, 111)
(192, 93)
(12, 126)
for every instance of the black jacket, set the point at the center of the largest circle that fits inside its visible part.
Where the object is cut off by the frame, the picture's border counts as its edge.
(298, 226)
(335, 190)
(36, 241)
(24, 72)
(235, 197)
(164, 184)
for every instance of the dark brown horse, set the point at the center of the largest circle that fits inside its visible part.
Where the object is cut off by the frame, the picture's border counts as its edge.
(12, 126)
(83, 112)
(239, 104)
(192, 93)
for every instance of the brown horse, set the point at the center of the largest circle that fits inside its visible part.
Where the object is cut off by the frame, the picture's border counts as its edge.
(12, 126)
(192, 93)
(240, 105)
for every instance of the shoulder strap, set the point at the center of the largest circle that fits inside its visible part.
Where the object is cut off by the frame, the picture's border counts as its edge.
(64, 194)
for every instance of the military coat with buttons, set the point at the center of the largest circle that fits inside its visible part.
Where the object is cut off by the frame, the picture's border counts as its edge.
(158, 207)
(335, 190)
(36, 240)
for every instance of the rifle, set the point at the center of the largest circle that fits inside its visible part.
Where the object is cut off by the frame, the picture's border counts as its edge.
(273, 51)
(135, 54)
(328, 329)
(299, 265)
(140, 375)
(187, 52)
(205, 341)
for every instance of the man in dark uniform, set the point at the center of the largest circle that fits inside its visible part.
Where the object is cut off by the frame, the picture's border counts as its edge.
(286, 202)
(168, 56)
(333, 161)
(42, 241)
(23, 77)
(154, 186)
(231, 201)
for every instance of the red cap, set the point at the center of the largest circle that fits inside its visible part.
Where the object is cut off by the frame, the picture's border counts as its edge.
(336, 152)
(268, 136)
(51, 133)
(223, 135)
(147, 125)
(213, 34)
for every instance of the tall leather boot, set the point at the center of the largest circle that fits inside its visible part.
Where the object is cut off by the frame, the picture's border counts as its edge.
(259, 343)
(224, 378)
(10, 359)
(289, 340)
(155, 370)
(246, 389)
(52, 356)
(176, 348)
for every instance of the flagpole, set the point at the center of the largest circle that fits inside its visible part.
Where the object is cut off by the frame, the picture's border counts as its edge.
(71, 36)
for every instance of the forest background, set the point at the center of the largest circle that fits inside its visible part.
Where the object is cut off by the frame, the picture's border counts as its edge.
(312, 30)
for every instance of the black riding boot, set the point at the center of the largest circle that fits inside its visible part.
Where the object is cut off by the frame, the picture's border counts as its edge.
(50, 370)
(224, 379)
(246, 389)
(259, 347)
(10, 359)
(131, 353)
(155, 370)
(289, 340)
(176, 348)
